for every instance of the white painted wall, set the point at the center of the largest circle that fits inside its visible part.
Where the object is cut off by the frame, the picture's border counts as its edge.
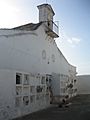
(56, 84)
(7, 94)
(83, 85)
(22, 51)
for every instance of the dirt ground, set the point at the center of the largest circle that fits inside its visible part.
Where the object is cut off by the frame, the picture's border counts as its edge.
(78, 110)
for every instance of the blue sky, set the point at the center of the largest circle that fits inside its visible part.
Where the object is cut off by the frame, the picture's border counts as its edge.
(74, 25)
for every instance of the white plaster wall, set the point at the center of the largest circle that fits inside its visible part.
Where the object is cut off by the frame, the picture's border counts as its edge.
(24, 52)
(56, 84)
(83, 84)
(7, 94)
(18, 52)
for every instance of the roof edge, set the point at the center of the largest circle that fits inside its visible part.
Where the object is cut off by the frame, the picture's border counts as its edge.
(28, 27)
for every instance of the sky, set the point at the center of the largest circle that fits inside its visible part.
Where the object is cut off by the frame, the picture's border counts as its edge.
(73, 17)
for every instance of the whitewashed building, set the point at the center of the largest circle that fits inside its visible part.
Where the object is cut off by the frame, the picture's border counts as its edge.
(32, 68)
(83, 85)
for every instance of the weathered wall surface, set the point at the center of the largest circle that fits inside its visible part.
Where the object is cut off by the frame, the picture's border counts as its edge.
(29, 52)
(7, 94)
(10, 107)
(24, 52)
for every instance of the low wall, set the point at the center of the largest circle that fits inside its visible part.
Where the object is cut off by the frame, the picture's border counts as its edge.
(83, 85)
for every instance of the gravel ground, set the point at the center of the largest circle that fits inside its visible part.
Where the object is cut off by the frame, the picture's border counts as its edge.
(78, 110)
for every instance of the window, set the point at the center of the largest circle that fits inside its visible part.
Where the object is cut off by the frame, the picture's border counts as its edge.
(43, 80)
(43, 89)
(26, 79)
(18, 90)
(26, 100)
(25, 90)
(18, 78)
(32, 89)
(39, 89)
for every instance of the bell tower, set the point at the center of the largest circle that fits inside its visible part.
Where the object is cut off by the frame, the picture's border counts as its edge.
(46, 14)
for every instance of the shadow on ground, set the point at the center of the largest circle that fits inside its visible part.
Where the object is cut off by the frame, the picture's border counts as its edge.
(78, 110)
